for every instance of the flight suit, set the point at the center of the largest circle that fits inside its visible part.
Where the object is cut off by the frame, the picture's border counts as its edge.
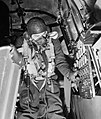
(45, 103)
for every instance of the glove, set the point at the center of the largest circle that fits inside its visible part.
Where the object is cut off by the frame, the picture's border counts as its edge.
(15, 55)
(74, 78)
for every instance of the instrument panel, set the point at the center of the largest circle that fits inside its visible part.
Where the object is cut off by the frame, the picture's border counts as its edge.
(83, 64)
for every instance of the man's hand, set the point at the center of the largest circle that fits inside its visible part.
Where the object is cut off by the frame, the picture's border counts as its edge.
(74, 78)
(15, 55)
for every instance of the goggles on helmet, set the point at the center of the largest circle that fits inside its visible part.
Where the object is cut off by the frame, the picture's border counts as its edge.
(39, 35)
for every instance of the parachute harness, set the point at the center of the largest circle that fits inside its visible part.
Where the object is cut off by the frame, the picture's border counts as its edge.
(41, 60)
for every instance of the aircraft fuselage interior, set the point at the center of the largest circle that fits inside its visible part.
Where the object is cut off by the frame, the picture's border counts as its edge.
(78, 24)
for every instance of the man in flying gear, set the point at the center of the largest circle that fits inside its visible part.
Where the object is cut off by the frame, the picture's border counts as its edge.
(41, 54)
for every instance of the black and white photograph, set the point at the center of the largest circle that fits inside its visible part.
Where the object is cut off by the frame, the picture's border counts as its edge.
(50, 59)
